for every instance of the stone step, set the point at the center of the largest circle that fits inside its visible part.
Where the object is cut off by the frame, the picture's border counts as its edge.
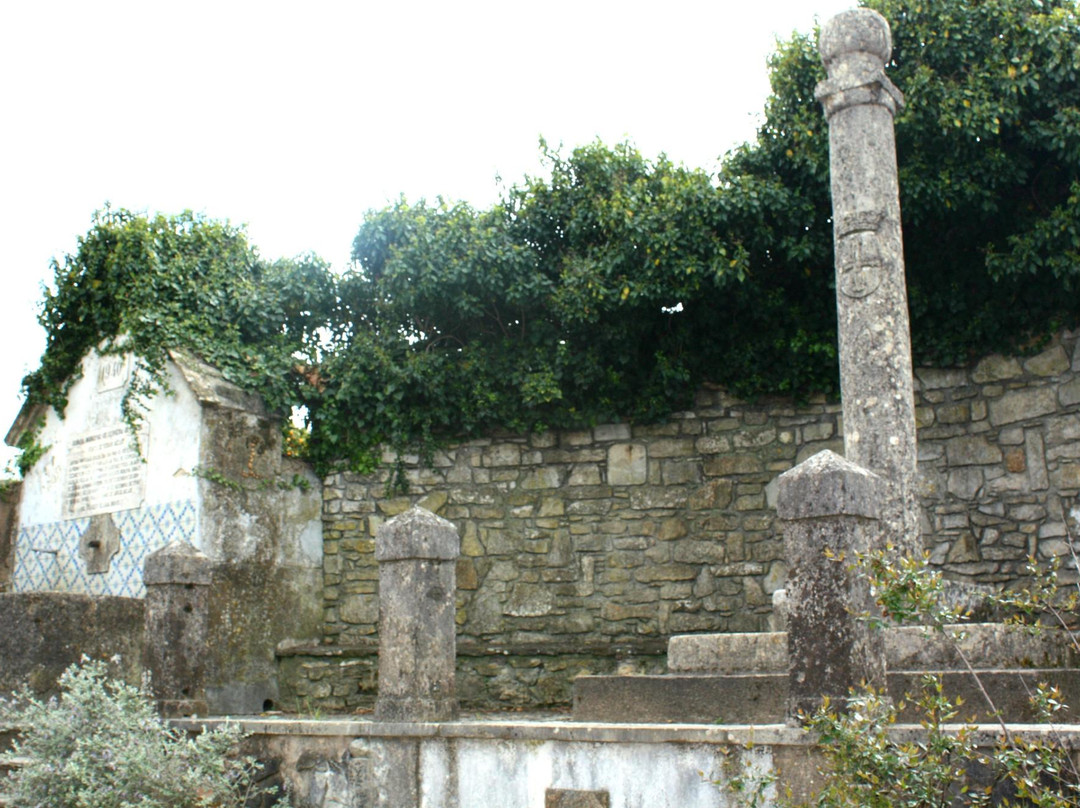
(761, 698)
(986, 645)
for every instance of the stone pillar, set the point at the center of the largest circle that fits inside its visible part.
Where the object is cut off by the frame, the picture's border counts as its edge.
(177, 579)
(871, 293)
(9, 529)
(829, 508)
(416, 552)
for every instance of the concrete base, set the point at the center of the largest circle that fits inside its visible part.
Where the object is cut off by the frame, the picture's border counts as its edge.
(761, 698)
(496, 760)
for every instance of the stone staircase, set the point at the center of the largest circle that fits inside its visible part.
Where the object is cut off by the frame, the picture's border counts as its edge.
(743, 678)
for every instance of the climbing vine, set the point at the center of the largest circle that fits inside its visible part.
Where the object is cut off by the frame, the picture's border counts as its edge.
(145, 285)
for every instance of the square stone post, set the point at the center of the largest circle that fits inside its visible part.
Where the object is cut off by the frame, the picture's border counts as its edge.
(416, 553)
(177, 579)
(830, 509)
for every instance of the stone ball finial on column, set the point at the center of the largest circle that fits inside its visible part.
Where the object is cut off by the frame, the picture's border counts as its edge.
(859, 35)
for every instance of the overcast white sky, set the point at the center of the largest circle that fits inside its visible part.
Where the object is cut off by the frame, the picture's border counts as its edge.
(295, 119)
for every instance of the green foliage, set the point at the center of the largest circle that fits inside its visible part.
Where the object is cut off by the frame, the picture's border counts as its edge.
(554, 308)
(869, 766)
(31, 449)
(870, 761)
(147, 285)
(615, 286)
(101, 745)
(989, 158)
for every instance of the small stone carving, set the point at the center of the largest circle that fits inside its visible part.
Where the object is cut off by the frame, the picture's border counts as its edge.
(326, 782)
(858, 254)
(99, 544)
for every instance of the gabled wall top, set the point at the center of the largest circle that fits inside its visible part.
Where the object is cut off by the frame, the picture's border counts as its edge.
(212, 389)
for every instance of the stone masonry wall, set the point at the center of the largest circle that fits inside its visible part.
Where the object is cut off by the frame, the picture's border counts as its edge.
(583, 551)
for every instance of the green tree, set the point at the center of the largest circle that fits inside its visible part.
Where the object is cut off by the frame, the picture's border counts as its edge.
(617, 285)
(989, 154)
(557, 307)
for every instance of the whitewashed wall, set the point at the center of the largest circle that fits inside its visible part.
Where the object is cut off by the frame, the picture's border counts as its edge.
(93, 485)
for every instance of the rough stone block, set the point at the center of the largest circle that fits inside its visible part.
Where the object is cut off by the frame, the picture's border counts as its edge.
(177, 579)
(417, 534)
(1050, 362)
(1015, 461)
(935, 378)
(417, 552)
(712, 444)
(1069, 476)
(569, 798)
(606, 432)
(729, 465)
(543, 478)
(1069, 393)
(828, 485)
(1022, 404)
(996, 368)
(971, 450)
(627, 464)
(965, 482)
(1035, 459)
(953, 414)
(829, 505)
(586, 474)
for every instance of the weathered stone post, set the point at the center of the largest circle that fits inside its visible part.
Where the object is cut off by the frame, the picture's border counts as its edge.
(177, 579)
(830, 509)
(871, 294)
(416, 552)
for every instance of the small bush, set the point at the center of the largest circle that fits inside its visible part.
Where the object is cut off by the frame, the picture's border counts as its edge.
(101, 744)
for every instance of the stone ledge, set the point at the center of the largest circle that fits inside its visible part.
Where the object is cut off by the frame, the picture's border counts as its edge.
(987, 645)
(549, 728)
(471, 648)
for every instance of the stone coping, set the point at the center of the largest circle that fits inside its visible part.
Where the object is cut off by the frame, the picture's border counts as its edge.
(907, 648)
(498, 727)
(473, 648)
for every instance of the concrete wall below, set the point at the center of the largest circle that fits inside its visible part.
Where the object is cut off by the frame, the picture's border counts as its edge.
(514, 762)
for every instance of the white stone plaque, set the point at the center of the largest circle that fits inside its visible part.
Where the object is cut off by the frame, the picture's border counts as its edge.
(105, 473)
(114, 370)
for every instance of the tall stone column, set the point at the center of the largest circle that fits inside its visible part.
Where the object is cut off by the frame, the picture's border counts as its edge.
(416, 552)
(871, 294)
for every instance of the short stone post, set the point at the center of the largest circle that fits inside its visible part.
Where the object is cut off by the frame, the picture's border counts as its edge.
(871, 294)
(830, 509)
(416, 552)
(177, 579)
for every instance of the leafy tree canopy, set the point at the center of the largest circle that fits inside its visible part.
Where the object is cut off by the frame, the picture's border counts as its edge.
(615, 286)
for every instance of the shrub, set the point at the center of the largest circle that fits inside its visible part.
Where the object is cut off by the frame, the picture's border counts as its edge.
(100, 744)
